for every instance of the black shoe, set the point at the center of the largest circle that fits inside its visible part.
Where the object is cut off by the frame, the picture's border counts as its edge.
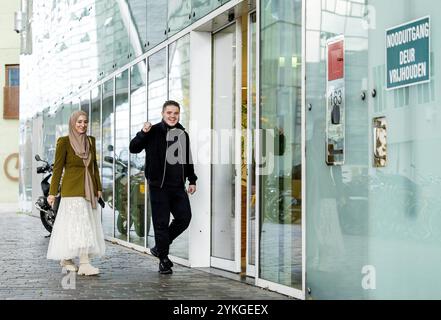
(164, 267)
(166, 260)
(154, 252)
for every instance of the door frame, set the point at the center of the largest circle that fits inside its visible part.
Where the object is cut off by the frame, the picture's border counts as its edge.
(250, 268)
(296, 293)
(234, 265)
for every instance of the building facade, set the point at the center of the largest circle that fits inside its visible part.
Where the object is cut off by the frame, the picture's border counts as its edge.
(314, 128)
(9, 83)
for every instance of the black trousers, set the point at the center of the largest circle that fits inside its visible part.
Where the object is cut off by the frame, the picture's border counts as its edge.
(165, 201)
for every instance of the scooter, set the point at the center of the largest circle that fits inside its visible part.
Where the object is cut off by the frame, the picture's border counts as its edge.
(137, 187)
(47, 213)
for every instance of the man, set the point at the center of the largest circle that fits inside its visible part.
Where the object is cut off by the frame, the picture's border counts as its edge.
(168, 165)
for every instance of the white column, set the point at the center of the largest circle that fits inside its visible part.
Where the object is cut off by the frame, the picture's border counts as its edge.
(199, 131)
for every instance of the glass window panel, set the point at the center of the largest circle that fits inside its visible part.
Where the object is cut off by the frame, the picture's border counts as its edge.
(337, 206)
(179, 90)
(156, 22)
(138, 115)
(108, 137)
(90, 40)
(122, 138)
(105, 26)
(179, 15)
(85, 105)
(280, 183)
(59, 125)
(157, 90)
(203, 7)
(121, 20)
(179, 76)
(95, 122)
(49, 140)
(223, 169)
(26, 160)
(138, 26)
(157, 94)
(66, 112)
(252, 126)
(13, 76)
(82, 52)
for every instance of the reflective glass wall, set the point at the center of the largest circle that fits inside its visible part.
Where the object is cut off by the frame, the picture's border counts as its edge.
(117, 110)
(372, 232)
(157, 94)
(138, 115)
(337, 208)
(179, 90)
(280, 116)
(80, 42)
(107, 169)
(121, 155)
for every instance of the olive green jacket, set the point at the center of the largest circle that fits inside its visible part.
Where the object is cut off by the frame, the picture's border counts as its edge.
(74, 170)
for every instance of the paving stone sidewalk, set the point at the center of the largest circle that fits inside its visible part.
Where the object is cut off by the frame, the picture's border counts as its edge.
(25, 273)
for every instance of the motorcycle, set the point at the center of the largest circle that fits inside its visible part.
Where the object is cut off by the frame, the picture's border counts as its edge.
(137, 191)
(47, 213)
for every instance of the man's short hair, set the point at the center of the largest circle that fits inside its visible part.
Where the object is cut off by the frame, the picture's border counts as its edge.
(170, 103)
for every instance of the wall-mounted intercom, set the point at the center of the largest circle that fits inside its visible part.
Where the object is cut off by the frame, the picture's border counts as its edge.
(335, 101)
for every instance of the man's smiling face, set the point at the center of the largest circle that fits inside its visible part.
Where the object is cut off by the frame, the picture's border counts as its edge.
(170, 115)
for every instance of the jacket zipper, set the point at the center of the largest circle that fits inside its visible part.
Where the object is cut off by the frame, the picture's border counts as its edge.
(165, 158)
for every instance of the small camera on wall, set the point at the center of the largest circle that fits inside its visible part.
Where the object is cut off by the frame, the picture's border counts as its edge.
(231, 16)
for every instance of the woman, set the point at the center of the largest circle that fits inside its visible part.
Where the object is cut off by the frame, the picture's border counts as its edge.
(77, 231)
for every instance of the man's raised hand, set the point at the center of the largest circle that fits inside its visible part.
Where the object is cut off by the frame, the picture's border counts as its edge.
(147, 126)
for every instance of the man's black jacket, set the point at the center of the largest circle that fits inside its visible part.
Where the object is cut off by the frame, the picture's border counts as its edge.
(155, 144)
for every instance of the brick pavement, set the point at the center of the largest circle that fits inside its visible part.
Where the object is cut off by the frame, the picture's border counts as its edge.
(25, 273)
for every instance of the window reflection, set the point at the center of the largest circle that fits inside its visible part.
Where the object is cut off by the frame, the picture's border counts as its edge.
(108, 128)
(121, 154)
(138, 26)
(179, 15)
(157, 94)
(203, 7)
(281, 225)
(138, 115)
(49, 140)
(156, 22)
(95, 120)
(179, 90)
(179, 76)
(84, 106)
(121, 21)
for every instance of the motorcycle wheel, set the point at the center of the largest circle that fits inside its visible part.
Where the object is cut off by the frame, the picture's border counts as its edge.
(47, 223)
(139, 227)
(121, 224)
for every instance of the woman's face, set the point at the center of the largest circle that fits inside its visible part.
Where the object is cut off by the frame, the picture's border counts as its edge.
(81, 124)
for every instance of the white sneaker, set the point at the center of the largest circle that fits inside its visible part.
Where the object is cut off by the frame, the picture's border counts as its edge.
(87, 270)
(69, 265)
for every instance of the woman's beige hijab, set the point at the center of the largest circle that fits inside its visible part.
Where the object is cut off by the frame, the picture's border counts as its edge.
(81, 146)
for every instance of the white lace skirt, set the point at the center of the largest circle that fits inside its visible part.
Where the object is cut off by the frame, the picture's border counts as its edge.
(77, 230)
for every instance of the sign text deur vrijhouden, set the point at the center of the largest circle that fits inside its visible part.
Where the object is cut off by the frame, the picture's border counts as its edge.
(408, 53)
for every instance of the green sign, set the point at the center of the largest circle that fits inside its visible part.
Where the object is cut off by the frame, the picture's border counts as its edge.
(407, 54)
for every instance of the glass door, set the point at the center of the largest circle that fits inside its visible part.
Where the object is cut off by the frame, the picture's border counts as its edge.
(225, 172)
(250, 143)
(280, 148)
